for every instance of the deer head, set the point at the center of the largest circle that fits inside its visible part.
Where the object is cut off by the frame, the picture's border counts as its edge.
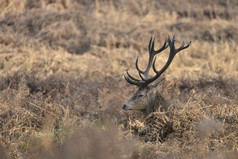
(147, 99)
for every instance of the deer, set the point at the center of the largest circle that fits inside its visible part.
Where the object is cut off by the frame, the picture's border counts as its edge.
(148, 99)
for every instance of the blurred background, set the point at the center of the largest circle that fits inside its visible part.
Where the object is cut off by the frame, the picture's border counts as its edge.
(62, 86)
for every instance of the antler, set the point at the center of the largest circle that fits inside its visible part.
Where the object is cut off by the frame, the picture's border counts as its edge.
(145, 81)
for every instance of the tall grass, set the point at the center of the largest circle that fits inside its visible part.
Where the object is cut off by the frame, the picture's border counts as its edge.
(62, 86)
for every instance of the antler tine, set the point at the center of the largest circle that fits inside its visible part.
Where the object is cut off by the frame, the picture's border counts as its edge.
(137, 67)
(131, 76)
(131, 79)
(152, 50)
(172, 47)
(184, 47)
(154, 66)
(149, 46)
(162, 48)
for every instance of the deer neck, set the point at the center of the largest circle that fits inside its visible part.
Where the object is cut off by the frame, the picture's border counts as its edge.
(156, 103)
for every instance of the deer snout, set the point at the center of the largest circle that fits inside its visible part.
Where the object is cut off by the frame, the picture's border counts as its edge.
(124, 106)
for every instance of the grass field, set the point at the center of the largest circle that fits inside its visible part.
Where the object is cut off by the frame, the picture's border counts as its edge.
(62, 86)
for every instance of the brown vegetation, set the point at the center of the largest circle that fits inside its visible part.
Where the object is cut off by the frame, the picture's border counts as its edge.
(62, 86)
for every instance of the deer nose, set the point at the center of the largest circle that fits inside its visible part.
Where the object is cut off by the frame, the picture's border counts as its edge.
(124, 107)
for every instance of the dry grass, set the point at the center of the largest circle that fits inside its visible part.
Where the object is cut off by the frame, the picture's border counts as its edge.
(62, 86)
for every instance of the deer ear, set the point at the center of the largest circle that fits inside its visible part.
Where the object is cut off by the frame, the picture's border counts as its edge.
(157, 84)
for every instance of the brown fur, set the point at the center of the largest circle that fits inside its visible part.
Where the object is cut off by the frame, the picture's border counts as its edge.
(156, 103)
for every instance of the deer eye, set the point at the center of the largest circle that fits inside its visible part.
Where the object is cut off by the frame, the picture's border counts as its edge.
(140, 95)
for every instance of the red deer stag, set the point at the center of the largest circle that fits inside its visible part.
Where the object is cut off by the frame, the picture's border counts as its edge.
(147, 99)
